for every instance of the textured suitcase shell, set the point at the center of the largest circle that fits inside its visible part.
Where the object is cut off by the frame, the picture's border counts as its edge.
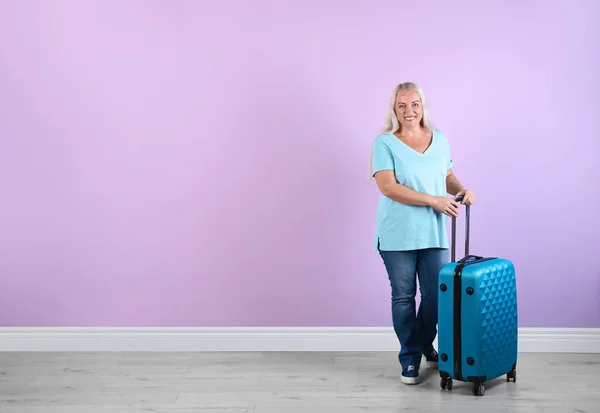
(477, 321)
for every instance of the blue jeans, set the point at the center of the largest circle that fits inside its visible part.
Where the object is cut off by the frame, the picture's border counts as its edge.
(415, 331)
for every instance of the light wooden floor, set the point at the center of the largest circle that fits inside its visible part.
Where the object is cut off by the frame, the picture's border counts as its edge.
(280, 382)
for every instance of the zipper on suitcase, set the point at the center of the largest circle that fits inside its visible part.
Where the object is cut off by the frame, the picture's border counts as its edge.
(458, 321)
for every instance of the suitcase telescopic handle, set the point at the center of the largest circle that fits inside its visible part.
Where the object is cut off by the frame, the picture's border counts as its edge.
(467, 230)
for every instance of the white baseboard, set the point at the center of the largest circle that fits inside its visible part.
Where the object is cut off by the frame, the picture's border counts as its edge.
(531, 340)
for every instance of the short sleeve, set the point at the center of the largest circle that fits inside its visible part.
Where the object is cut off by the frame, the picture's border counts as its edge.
(448, 156)
(382, 157)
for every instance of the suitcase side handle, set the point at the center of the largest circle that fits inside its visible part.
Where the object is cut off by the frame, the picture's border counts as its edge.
(467, 230)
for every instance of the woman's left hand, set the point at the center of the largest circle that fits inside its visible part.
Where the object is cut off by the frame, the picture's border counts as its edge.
(468, 197)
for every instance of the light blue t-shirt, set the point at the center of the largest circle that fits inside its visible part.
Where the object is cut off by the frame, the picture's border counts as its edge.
(408, 227)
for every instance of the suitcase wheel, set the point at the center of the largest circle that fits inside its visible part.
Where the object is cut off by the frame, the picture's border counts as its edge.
(512, 375)
(479, 389)
(446, 383)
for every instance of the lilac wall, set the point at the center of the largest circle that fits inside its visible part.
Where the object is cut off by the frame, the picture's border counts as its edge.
(113, 212)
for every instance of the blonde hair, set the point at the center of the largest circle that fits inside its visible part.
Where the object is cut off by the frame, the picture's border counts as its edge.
(391, 123)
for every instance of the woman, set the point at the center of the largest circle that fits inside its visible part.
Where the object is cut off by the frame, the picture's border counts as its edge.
(412, 166)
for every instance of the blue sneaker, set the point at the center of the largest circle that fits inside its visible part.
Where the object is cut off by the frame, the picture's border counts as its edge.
(410, 374)
(431, 357)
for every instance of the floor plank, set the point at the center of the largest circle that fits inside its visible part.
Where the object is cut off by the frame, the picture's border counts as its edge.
(270, 382)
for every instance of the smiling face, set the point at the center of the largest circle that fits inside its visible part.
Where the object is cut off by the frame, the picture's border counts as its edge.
(408, 108)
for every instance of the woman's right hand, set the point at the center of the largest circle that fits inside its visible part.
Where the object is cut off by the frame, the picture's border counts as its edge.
(445, 205)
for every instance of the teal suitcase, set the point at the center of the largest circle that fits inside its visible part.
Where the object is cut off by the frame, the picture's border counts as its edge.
(477, 318)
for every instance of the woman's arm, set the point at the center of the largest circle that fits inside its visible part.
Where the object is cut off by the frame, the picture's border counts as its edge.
(388, 186)
(455, 188)
(453, 185)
